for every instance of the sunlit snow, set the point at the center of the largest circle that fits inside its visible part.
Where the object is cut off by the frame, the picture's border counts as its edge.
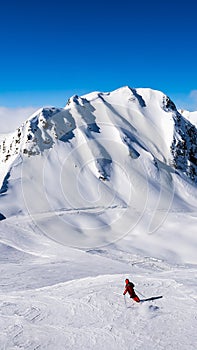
(101, 190)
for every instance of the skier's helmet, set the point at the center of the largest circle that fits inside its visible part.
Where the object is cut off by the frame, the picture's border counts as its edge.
(127, 281)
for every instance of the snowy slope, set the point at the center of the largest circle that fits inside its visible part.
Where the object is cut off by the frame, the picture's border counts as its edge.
(103, 189)
(71, 300)
(107, 166)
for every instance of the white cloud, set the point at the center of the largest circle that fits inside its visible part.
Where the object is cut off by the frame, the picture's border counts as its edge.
(186, 101)
(12, 118)
(193, 95)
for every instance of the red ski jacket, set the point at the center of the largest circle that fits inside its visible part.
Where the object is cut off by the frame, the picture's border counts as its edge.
(129, 288)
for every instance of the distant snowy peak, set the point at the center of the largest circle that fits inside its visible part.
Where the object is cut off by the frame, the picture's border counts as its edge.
(191, 116)
(142, 118)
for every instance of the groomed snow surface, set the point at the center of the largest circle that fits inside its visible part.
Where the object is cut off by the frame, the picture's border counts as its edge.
(73, 300)
(90, 198)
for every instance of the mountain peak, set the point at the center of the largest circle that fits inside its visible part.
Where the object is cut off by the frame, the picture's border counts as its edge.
(108, 156)
(141, 119)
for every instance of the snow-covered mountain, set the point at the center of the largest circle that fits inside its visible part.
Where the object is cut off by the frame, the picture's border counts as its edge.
(103, 189)
(161, 131)
(101, 166)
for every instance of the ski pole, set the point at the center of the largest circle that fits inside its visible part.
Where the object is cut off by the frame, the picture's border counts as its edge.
(125, 301)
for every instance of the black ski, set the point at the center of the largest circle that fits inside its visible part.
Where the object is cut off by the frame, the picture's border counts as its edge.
(150, 299)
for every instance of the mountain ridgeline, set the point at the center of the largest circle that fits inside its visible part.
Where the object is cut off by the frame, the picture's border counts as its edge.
(51, 125)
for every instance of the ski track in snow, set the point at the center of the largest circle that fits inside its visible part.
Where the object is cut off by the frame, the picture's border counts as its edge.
(90, 312)
(55, 297)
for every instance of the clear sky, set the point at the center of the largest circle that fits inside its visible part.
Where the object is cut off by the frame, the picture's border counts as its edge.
(51, 50)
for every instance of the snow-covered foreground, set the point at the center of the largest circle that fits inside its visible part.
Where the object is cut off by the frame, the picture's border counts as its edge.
(61, 298)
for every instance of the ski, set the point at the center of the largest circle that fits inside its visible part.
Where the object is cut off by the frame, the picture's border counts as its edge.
(152, 298)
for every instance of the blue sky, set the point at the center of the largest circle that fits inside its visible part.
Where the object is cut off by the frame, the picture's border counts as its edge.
(51, 50)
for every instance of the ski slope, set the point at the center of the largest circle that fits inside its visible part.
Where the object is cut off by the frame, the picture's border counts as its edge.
(73, 299)
(93, 193)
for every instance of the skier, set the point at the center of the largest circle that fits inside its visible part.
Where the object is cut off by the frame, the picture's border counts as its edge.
(129, 287)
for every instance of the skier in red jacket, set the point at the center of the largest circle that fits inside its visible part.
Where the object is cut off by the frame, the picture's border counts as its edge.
(129, 287)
